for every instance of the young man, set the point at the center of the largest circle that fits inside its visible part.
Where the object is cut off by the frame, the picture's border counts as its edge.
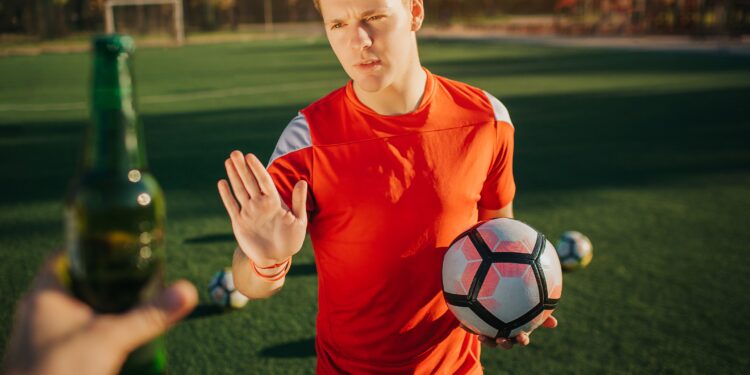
(384, 173)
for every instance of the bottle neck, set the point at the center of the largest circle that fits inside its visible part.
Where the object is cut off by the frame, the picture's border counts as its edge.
(114, 140)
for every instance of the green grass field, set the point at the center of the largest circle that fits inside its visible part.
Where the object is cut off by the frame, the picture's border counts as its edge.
(645, 152)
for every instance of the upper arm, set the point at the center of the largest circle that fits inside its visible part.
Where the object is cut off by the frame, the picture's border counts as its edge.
(499, 187)
(291, 161)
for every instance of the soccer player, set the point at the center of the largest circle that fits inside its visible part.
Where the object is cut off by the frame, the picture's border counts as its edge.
(383, 173)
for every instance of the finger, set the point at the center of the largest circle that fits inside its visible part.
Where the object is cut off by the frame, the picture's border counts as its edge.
(147, 321)
(265, 182)
(233, 209)
(504, 343)
(237, 186)
(54, 274)
(488, 342)
(550, 322)
(299, 200)
(51, 288)
(522, 339)
(48, 282)
(247, 177)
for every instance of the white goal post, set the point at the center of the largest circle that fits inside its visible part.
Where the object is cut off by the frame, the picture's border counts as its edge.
(179, 29)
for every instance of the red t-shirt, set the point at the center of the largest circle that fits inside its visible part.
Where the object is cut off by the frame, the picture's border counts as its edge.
(387, 196)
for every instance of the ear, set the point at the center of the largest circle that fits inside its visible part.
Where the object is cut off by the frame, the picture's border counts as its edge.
(417, 14)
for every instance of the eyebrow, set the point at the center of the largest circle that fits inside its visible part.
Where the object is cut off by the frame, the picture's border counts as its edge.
(364, 14)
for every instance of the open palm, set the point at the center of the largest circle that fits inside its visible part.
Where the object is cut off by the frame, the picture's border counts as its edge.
(266, 229)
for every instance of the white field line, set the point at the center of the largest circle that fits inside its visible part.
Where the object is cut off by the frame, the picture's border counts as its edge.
(175, 98)
(42, 107)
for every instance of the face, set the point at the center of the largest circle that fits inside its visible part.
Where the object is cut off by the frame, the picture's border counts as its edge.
(374, 40)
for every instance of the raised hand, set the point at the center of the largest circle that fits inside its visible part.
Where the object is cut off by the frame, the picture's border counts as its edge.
(266, 229)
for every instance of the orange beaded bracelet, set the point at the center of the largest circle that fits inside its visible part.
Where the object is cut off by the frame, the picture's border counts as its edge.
(274, 277)
(277, 265)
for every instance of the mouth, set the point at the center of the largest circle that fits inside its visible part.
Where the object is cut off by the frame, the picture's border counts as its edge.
(368, 64)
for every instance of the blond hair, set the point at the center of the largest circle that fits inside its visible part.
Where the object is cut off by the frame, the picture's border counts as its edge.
(317, 3)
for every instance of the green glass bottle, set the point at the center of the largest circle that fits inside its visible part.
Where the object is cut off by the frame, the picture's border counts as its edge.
(115, 211)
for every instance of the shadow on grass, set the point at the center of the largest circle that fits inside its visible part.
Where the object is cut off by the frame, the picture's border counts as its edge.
(302, 270)
(294, 349)
(205, 310)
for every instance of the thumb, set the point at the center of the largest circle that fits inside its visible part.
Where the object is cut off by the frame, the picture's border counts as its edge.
(299, 200)
(149, 320)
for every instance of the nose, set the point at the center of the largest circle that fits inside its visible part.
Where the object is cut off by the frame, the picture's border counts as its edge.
(361, 39)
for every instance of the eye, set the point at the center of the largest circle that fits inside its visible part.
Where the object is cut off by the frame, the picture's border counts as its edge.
(337, 26)
(374, 18)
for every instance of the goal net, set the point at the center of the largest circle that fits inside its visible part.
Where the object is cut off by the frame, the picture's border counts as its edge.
(145, 17)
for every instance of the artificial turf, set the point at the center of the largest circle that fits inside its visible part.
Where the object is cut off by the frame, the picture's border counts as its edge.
(645, 152)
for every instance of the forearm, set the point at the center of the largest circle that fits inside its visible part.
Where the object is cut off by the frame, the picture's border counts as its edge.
(248, 282)
(506, 211)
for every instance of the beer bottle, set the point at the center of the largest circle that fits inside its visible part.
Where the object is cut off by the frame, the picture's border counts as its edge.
(115, 211)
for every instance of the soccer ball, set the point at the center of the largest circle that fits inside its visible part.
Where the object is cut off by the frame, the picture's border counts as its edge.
(501, 277)
(575, 250)
(222, 291)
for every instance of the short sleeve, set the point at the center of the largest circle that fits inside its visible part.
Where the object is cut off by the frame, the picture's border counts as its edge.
(500, 188)
(291, 161)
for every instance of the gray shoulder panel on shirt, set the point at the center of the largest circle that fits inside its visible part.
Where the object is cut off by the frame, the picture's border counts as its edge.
(501, 113)
(295, 137)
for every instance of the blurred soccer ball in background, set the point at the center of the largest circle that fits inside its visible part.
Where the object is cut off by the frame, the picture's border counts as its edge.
(222, 291)
(575, 250)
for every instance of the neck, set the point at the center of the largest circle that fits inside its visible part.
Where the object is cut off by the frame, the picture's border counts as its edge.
(114, 141)
(401, 97)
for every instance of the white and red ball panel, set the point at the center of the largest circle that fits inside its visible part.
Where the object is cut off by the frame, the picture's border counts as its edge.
(460, 265)
(509, 291)
(508, 236)
(469, 319)
(550, 267)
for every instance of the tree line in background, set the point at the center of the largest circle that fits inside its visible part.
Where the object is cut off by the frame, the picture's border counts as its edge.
(694, 17)
(56, 18)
